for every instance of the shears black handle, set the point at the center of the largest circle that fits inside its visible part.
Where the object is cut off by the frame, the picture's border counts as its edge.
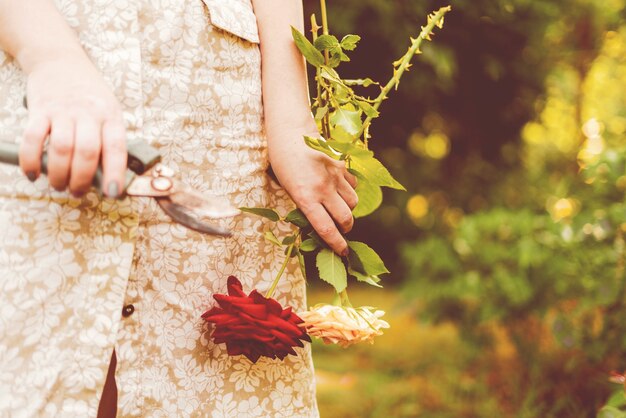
(141, 158)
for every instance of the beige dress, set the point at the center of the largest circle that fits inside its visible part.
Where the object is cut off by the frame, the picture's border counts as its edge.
(187, 73)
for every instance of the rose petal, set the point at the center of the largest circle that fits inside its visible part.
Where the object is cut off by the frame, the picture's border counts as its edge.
(284, 325)
(273, 307)
(228, 300)
(213, 311)
(234, 287)
(254, 310)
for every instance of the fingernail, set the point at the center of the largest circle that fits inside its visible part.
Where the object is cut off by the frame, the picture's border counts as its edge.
(112, 190)
(32, 176)
(345, 252)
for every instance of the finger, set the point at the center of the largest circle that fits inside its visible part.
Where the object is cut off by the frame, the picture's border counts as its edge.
(31, 148)
(60, 152)
(347, 193)
(351, 178)
(340, 212)
(87, 145)
(326, 228)
(113, 157)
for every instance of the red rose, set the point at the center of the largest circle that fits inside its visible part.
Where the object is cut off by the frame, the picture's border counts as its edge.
(254, 325)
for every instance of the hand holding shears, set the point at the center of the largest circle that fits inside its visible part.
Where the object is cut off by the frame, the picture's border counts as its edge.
(147, 176)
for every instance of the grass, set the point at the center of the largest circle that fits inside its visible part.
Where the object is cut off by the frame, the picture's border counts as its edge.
(420, 369)
(413, 370)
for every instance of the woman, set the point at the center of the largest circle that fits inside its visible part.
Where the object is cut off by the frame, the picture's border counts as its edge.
(90, 284)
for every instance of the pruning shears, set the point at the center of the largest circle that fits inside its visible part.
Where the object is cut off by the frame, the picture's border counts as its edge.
(146, 176)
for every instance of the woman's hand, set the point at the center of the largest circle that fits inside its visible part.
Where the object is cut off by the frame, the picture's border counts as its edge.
(67, 98)
(321, 187)
(69, 101)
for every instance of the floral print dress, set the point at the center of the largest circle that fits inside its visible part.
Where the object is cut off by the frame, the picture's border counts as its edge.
(80, 277)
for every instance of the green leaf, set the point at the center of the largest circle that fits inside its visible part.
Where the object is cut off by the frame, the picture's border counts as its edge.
(371, 280)
(364, 259)
(339, 134)
(611, 412)
(351, 149)
(617, 399)
(374, 171)
(332, 269)
(370, 196)
(341, 55)
(330, 75)
(269, 235)
(368, 109)
(365, 82)
(270, 214)
(308, 245)
(320, 112)
(289, 239)
(343, 95)
(297, 218)
(312, 55)
(319, 144)
(349, 120)
(349, 42)
(331, 45)
(326, 42)
(334, 60)
(320, 242)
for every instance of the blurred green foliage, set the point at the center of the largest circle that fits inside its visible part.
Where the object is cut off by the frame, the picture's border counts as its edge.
(509, 251)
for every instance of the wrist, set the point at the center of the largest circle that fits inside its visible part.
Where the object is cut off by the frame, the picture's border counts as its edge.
(289, 144)
(31, 58)
(303, 124)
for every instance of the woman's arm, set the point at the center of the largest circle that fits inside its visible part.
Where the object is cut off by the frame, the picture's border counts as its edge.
(67, 98)
(320, 186)
(285, 89)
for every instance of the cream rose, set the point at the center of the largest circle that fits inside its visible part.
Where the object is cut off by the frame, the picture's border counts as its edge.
(342, 325)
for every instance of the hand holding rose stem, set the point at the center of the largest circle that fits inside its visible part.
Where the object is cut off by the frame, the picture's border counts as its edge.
(324, 186)
(318, 181)
(320, 186)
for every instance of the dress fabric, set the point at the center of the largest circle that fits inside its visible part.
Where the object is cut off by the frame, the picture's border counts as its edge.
(187, 73)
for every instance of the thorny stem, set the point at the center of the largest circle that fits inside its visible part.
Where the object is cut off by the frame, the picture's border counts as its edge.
(324, 27)
(314, 28)
(435, 19)
(325, 119)
(366, 135)
(270, 292)
(318, 78)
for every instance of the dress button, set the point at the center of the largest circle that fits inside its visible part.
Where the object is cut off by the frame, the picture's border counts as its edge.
(128, 311)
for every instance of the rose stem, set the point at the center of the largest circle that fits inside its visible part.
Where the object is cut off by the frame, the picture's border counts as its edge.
(435, 19)
(270, 292)
(324, 17)
(326, 119)
(343, 296)
(314, 29)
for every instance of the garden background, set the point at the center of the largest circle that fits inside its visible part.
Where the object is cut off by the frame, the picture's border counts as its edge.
(508, 251)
